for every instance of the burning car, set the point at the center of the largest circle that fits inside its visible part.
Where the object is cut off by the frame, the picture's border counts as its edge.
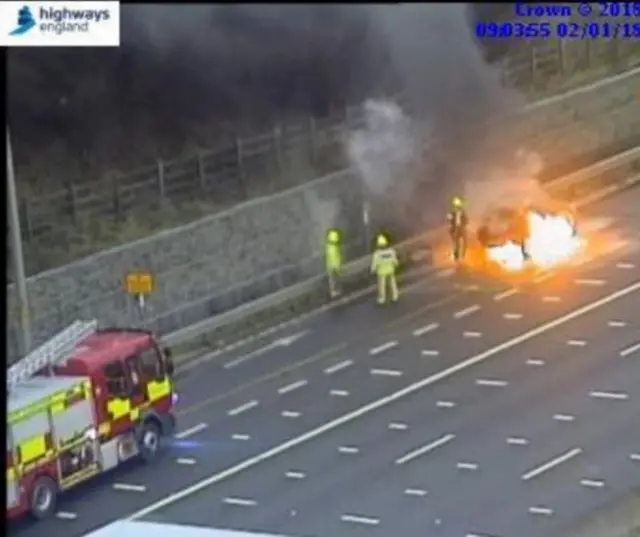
(538, 235)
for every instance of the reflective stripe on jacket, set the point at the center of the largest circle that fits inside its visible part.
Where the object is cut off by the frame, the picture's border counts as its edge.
(384, 261)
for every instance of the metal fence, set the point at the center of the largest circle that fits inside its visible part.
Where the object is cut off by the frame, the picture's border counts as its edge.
(289, 154)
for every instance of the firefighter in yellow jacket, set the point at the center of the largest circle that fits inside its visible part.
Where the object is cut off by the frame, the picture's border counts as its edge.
(384, 265)
(333, 261)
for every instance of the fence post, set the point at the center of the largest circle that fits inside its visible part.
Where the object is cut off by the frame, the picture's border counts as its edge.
(202, 177)
(313, 141)
(533, 67)
(562, 56)
(277, 144)
(240, 160)
(117, 201)
(27, 224)
(73, 210)
(161, 184)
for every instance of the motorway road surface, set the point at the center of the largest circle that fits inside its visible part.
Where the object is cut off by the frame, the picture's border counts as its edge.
(533, 422)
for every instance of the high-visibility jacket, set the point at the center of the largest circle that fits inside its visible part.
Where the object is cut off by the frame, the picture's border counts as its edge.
(457, 220)
(332, 256)
(384, 261)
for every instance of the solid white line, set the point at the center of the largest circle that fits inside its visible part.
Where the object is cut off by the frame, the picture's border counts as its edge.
(425, 449)
(350, 450)
(630, 350)
(430, 353)
(385, 401)
(617, 324)
(563, 417)
(535, 362)
(551, 299)
(426, 329)
(191, 431)
(492, 383)
(590, 283)
(445, 404)
(397, 426)
(240, 437)
(290, 414)
(540, 511)
(386, 372)
(294, 475)
(466, 466)
(338, 367)
(293, 386)
(620, 396)
(339, 393)
(384, 347)
(592, 483)
(539, 470)
(505, 294)
(517, 441)
(242, 408)
(472, 334)
(186, 462)
(65, 515)
(576, 343)
(357, 519)
(415, 492)
(242, 502)
(635, 456)
(512, 316)
(129, 488)
(467, 311)
(625, 266)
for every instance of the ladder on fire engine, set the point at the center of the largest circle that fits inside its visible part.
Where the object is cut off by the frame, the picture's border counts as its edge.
(51, 353)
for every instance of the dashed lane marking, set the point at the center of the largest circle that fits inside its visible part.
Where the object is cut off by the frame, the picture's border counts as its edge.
(425, 449)
(630, 350)
(339, 393)
(467, 466)
(430, 352)
(493, 383)
(348, 450)
(512, 316)
(384, 401)
(240, 437)
(66, 515)
(415, 492)
(294, 474)
(617, 324)
(635, 457)
(129, 488)
(563, 417)
(191, 431)
(557, 461)
(592, 483)
(242, 408)
(383, 348)
(551, 299)
(445, 404)
(517, 441)
(425, 329)
(290, 414)
(619, 396)
(472, 334)
(590, 282)
(338, 367)
(387, 372)
(397, 426)
(625, 266)
(467, 311)
(293, 386)
(240, 502)
(535, 362)
(359, 519)
(540, 510)
(505, 294)
(186, 461)
(577, 343)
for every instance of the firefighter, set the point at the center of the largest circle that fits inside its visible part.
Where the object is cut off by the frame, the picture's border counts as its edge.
(458, 221)
(384, 264)
(333, 261)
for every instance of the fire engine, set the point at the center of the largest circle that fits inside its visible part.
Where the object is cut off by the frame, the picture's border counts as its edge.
(80, 405)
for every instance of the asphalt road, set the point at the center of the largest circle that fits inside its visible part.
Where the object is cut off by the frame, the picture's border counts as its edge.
(244, 403)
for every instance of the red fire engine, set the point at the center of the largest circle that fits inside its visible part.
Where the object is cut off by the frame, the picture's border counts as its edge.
(81, 404)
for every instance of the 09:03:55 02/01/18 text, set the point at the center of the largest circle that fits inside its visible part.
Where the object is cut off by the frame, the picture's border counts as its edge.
(558, 30)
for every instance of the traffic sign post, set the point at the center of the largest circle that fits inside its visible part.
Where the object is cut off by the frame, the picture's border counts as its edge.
(139, 284)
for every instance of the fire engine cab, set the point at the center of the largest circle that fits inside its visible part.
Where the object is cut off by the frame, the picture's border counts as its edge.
(80, 405)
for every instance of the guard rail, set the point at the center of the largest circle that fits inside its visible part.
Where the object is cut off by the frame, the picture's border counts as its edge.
(581, 187)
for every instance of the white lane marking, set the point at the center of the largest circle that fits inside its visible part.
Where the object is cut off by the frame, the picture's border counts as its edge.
(445, 404)
(384, 347)
(625, 266)
(577, 343)
(293, 386)
(66, 515)
(415, 492)
(430, 352)
(630, 350)
(543, 277)
(242, 408)
(397, 426)
(425, 449)
(281, 342)
(338, 367)
(550, 299)
(186, 461)
(472, 334)
(191, 431)
(617, 324)
(359, 519)
(467, 311)
(241, 502)
(620, 396)
(339, 393)
(426, 329)
(539, 510)
(293, 474)
(380, 403)
(535, 362)
(592, 483)
(590, 283)
(129, 488)
(349, 450)
(492, 383)
(505, 294)
(549, 465)
(512, 316)
(240, 437)
(517, 441)
(290, 414)
(635, 456)
(387, 372)
(563, 417)
(467, 466)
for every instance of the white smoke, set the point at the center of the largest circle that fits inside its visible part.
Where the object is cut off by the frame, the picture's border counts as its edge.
(324, 214)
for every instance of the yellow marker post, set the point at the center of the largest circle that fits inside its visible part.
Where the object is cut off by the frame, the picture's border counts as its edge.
(140, 284)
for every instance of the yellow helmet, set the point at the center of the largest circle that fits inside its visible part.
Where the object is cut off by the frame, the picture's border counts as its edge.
(382, 241)
(457, 202)
(333, 236)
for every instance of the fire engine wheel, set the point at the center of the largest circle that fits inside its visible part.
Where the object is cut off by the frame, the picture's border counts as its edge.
(149, 441)
(42, 501)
